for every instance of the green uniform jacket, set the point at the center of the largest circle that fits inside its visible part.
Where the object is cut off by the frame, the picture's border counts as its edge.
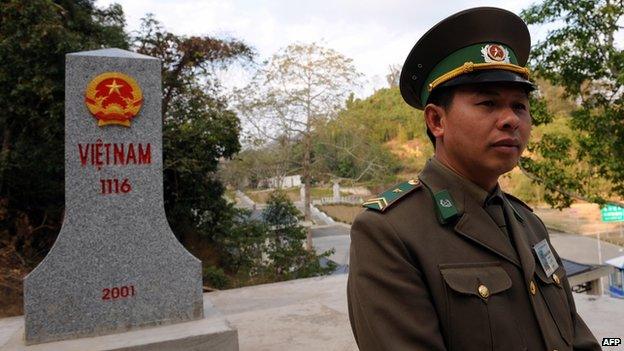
(416, 283)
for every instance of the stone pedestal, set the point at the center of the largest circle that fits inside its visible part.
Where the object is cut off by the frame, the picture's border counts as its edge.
(211, 333)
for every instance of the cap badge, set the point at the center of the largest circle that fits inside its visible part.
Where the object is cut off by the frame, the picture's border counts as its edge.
(495, 53)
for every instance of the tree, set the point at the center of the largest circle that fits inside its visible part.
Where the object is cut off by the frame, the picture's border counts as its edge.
(300, 87)
(287, 258)
(242, 248)
(580, 55)
(254, 164)
(265, 250)
(34, 38)
(374, 139)
(394, 75)
(198, 128)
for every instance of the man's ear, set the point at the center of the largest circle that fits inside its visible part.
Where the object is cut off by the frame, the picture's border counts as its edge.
(435, 117)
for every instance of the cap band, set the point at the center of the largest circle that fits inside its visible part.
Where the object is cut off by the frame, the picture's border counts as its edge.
(477, 57)
(471, 67)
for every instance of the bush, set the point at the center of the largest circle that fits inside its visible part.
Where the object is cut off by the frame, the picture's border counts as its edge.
(215, 277)
(286, 256)
(272, 249)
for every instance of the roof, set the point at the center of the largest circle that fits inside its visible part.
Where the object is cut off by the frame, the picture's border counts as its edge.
(574, 268)
(616, 262)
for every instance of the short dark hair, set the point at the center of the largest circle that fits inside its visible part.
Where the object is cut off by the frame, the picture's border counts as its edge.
(442, 97)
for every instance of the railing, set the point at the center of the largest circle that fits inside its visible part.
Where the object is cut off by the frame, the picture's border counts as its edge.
(350, 199)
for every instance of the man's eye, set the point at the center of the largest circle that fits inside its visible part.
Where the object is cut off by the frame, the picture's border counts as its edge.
(520, 106)
(488, 103)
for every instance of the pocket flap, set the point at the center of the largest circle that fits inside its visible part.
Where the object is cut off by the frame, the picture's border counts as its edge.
(466, 280)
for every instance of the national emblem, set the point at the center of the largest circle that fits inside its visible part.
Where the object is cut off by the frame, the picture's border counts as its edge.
(113, 98)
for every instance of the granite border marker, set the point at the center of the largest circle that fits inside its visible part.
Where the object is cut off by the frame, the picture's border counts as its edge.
(116, 265)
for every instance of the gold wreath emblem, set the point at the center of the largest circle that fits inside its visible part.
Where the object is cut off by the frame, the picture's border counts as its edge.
(113, 98)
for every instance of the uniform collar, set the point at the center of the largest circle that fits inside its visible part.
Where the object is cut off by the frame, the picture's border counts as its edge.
(439, 178)
(473, 190)
(471, 220)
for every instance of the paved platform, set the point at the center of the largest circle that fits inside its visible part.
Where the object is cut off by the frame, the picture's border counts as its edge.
(583, 249)
(335, 237)
(311, 314)
(305, 314)
(212, 333)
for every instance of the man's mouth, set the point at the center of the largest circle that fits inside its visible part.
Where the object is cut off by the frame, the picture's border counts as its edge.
(507, 144)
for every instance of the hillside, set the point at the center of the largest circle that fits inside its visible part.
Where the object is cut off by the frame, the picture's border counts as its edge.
(395, 136)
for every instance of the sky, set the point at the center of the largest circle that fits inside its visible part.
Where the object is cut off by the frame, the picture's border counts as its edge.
(375, 34)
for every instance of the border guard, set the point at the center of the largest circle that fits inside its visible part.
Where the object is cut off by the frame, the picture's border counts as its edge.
(448, 261)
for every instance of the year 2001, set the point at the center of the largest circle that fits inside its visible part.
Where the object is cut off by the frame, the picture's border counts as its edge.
(118, 292)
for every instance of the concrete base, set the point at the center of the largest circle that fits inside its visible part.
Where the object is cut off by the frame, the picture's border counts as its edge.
(213, 332)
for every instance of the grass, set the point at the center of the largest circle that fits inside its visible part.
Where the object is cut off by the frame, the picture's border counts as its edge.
(261, 196)
(584, 219)
(580, 218)
(345, 213)
(230, 194)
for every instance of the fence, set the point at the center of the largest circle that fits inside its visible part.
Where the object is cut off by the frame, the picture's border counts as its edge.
(350, 199)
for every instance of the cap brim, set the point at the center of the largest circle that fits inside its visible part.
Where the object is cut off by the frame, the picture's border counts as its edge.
(491, 76)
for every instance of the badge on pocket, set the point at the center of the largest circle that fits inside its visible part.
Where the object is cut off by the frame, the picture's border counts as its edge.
(546, 257)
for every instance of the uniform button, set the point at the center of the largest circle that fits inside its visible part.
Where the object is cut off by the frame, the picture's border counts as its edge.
(556, 279)
(532, 288)
(484, 291)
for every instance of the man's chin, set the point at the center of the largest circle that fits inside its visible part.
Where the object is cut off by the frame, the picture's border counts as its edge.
(506, 166)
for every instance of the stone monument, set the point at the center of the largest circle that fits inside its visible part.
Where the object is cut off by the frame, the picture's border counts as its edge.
(336, 192)
(116, 265)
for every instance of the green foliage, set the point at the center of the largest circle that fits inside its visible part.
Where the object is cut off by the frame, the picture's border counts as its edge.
(257, 251)
(252, 165)
(386, 116)
(299, 88)
(580, 50)
(580, 55)
(522, 187)
(355, 144)
(198, 128)
(242, 245)
(34, 38)
(287, 257)
(198, 131)
(215, 277)
(188, 63)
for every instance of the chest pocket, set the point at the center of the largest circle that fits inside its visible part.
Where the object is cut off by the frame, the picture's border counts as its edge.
(556, 300)
(478, 308)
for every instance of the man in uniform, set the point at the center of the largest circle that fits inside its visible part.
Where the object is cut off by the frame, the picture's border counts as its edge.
(448, 261)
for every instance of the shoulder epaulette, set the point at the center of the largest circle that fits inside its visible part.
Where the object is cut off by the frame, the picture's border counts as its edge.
(392, 195)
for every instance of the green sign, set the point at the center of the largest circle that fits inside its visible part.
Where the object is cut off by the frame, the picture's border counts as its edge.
(612, 213)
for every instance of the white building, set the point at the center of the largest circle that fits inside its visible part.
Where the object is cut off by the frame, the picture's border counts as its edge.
(286, 182)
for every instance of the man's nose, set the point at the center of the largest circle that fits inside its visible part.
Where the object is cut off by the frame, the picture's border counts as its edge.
(509, 119)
